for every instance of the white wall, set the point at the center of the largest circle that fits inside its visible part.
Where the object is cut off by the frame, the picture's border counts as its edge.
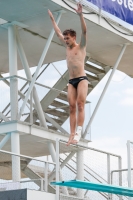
(34, 195)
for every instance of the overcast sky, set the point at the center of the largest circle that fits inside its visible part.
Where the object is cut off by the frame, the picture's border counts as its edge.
(113, 123)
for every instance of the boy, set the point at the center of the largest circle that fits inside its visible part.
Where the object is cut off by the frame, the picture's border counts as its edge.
(78, 83)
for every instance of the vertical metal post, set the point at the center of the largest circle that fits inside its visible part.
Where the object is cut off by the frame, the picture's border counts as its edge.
(99, 18)
(120, 174)
(57, 168)
(53, 154)
(80, 172)
(31, 108)
(105, 88)
(15, 143)
(129, 166)
(129, 163)
(41, 184)
(108, 168)
(13, 71)
(46, 177)
(89, 119)
(108, 172)
(111, 196)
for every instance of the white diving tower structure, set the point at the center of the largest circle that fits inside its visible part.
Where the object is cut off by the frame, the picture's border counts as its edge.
(31, 120)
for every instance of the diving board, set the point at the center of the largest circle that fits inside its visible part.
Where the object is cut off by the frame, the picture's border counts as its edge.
(96, 187)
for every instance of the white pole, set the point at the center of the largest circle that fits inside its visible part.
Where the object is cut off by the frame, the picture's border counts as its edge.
(120, 174)
(105, 88)
(52, 151)
(108, 173)
(129, 166)
(15, 143)
(129, 163)
(80, 172)
(39, 65)
(54, 158)
(31, 107)
(108, 168)
(46, 177)
(57, 168)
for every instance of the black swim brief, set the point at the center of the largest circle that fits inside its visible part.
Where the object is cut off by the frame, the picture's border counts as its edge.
(75, 81)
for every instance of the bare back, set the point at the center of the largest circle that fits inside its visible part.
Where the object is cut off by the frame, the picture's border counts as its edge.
(75, 61)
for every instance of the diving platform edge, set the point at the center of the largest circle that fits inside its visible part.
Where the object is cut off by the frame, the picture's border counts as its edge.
(35, 136)
(96, 187)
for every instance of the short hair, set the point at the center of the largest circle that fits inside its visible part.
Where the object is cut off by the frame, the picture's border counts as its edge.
(70, 32)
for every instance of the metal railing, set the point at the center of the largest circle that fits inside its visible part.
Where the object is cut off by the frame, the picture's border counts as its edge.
(69, 172)
(30, 168)
(130, 162)
(22, 92)
(120, 178)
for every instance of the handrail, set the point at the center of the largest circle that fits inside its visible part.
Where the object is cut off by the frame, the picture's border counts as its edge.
(36, 83)
(16, 76)
(90, 169)
(81, 147)
(28, 157)
(86, 148)
(74, 171)
(21, 88)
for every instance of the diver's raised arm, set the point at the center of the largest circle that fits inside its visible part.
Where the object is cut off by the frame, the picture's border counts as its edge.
(83, 25)
(56, 28)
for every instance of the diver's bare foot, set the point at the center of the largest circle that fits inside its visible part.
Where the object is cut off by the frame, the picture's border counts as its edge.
(70, 139)
(76, 138)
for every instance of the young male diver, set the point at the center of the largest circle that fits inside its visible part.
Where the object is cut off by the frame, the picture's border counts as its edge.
(78, 83)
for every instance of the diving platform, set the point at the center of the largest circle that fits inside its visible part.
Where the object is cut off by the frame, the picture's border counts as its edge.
(35, 136)
(96, 187)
